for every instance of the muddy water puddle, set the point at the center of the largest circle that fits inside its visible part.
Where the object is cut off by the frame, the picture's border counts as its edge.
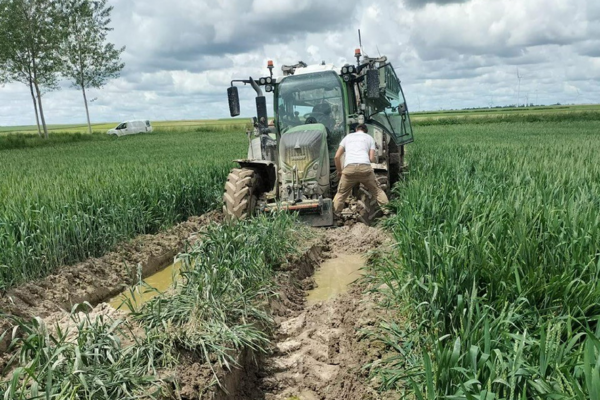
(335, 275)
(161, 281)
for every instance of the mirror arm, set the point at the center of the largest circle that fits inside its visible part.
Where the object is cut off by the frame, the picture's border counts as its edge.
(256, 88)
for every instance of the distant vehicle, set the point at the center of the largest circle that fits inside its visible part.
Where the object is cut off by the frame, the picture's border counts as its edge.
(131, 128)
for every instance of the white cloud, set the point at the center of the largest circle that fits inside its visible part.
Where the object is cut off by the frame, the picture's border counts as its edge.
(181, 55)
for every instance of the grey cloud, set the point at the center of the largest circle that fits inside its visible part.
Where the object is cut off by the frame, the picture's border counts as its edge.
(423, 3)
(201, 30)
(182, 54)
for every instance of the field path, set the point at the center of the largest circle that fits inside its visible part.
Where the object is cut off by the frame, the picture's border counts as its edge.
(318, 352)
(318, 349)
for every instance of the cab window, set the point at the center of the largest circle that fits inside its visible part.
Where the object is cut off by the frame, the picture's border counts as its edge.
(395, 115)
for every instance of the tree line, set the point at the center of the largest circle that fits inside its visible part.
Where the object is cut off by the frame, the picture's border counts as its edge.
(44, 41)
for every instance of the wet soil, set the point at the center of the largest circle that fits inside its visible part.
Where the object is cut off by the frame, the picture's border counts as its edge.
(318, 349)
(98, 279)
(335, 275)
(320, 352)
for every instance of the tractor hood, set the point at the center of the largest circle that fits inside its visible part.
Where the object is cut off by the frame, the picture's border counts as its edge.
(302, 149)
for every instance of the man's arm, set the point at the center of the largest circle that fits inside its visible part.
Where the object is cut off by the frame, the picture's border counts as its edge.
(338, 159)
(372, 149)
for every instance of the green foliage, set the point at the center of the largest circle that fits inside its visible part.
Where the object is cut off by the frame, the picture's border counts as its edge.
(517, 117)
(90, 357)
(498, 235)
(29, 42)
(218, 308)
(88, 60)
(67, 202)
(29, 47)
(21, 141)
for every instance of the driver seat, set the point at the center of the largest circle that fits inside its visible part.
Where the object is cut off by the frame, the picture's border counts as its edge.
(324, 109)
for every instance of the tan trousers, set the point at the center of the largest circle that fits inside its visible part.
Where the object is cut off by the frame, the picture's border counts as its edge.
(352, 175)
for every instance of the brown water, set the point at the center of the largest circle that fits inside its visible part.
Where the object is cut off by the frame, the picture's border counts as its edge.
(335, 275)
(160, 281)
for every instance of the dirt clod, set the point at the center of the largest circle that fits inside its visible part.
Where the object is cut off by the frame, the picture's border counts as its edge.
(355, 239)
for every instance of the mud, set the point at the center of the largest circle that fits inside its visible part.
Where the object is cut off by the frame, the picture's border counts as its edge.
(98, 279)
(355, 239)
(320, 353)
(153, 285)
(319, 350)
(335, 275)
(197, 381)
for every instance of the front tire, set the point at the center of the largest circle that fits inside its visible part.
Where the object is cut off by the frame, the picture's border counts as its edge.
(241, 194)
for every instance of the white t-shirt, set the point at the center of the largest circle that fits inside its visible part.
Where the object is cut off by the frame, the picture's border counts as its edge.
(356, 146)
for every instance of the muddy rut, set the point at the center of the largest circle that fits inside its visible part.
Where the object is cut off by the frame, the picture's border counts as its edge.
(319, 351)
(98, 279)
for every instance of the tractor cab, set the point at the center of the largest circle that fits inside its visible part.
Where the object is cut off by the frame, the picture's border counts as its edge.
(312, 98)
(290, 164)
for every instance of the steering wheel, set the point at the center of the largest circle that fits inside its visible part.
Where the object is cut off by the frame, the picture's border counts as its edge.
(314, 117)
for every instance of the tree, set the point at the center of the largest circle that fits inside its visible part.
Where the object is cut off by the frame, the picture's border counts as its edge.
(29, 45)
(88, 60)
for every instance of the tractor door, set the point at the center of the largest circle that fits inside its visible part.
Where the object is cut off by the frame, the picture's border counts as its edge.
(395, 116)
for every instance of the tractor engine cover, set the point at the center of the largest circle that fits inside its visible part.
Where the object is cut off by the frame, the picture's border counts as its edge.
(304, 162)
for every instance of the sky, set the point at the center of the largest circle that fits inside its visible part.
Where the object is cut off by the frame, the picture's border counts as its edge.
(182, 54)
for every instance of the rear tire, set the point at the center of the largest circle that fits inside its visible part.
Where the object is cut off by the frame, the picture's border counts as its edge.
(241, 194)
(369, 210)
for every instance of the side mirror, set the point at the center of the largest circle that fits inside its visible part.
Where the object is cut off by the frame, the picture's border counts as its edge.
(373, 84)
(234, 101)
(261, 110)
(402, 109)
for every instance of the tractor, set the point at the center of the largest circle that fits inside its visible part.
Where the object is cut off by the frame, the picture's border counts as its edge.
(290, 161)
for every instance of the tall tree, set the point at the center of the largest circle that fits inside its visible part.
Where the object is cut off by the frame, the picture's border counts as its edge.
(88, 59)
(29, 46)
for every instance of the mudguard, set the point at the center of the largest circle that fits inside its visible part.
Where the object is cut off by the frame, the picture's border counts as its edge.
(268, 173)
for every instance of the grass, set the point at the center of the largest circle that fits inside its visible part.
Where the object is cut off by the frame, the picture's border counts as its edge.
(507, 117)
(66, 202)
(219, 307)
(90, 357)
(212, 125)
(497, 262)
(216, 311)
(481, 112)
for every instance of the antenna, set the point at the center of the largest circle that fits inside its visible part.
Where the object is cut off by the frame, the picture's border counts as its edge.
(360, 42)
(378, 52)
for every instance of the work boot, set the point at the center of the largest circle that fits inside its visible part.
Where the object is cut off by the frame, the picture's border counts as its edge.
(338, 220)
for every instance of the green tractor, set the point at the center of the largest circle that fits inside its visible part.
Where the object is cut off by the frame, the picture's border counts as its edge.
(290, 163)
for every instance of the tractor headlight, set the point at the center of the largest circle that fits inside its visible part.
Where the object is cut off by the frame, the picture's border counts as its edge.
(262, 81)
(351, 69)
(345, 70)
(269, 80)
(311, 173)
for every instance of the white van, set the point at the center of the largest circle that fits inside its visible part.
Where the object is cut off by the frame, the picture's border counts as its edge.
(131, 127)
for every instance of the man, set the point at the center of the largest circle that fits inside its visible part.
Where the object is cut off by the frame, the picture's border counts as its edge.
(359, 148)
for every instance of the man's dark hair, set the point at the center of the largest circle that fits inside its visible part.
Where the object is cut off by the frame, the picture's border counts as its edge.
(362, 127)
